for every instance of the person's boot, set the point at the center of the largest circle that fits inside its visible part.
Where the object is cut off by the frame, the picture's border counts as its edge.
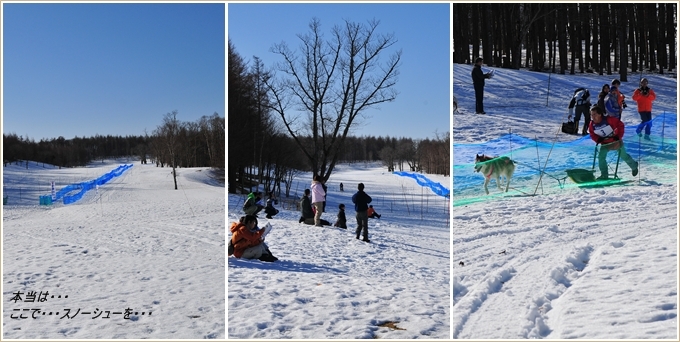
(575, 126)
(647, 137)
(366, 239)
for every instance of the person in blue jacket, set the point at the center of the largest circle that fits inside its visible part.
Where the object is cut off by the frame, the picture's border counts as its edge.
(611, 103)
(361, 201)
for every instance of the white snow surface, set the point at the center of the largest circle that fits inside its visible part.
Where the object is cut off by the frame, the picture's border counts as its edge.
(327, 284)
(597, 263)
(134, 243)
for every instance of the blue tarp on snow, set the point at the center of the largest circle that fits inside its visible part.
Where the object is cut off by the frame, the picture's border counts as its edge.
(423, 181)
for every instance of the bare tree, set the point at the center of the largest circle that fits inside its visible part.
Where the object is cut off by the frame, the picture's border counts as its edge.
(330, 84)
(168, 134)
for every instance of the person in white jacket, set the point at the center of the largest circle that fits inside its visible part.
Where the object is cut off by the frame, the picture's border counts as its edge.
(318, 197)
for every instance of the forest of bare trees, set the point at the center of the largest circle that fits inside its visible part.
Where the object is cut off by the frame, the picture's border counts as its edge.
(195, 144)
(261, 150)
(588, 37)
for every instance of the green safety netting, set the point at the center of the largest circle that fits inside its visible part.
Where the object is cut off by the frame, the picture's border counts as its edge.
(533, 175)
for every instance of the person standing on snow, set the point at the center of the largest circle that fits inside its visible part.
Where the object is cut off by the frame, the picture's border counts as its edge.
(318, 197)
(581, 101)
(644, 97)
(608, 132)
(361, 201)
(478, 77)
(611, 103)
(602, 95)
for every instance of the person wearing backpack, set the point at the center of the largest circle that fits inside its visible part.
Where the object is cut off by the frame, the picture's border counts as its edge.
(581, 102)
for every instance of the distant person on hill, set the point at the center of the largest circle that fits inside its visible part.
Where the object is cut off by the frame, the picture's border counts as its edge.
(602, 95)
(246, 240)
(342, 219)
(341, 187)
(269, 209)
(478, 77)
(611, 103)
(252, 206)
(306, 209)
(361, 201)
(372, 213)
(318, 195)
(581, 102)
(607, 131)
(644, 96)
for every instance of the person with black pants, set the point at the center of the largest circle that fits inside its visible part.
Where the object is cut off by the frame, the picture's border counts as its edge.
(361, 201)
(478, 81)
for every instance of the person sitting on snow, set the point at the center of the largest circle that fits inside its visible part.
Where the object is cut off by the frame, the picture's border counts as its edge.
(307, 214)
(342, 220)
(608, 132)
(269, 209)
(371, 212)
(252, 206)
(247, 242)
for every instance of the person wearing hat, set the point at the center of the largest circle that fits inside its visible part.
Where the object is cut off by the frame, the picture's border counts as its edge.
(252, 205)
(608, 132)
(644, 96)
(342, 219)
(612, 106)
(478, 77)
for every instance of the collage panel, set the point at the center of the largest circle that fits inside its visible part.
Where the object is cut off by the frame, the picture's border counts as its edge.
(565, 210)
(113, 183)
(339, 171)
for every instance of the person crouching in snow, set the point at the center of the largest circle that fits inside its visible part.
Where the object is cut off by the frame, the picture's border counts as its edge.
(247, 242)
(342, 219)
(608, 132)
(252, 205)
(269, 209)
(371, 212)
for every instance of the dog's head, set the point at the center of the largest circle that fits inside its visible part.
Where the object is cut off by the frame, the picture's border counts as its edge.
(478, 162)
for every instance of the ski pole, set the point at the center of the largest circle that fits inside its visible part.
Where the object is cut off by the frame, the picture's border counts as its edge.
(618, 157)
(594, 157)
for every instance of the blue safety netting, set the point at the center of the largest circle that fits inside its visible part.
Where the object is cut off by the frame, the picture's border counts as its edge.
(83, 187)
(423, 181)
(530, 157)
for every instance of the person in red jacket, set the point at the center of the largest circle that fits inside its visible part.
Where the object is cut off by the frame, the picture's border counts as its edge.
(608, 132)
(644, 97)
(246, 240)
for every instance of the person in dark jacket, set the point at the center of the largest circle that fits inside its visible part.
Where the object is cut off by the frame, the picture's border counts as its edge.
(269, 209)
(252, 205)
(607, 131)
(478, 77)
(342, 219)
(361, 201)
(602, 95)
(580, 102)
(306, 209)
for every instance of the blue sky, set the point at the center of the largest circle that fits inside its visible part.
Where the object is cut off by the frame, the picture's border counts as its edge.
(423, 33)
(86, 69)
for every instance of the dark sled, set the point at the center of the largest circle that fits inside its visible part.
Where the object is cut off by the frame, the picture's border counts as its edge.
(586, 179)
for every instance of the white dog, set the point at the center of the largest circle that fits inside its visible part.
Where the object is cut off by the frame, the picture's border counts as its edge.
(495, 167)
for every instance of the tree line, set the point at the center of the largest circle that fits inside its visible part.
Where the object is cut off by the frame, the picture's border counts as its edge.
(195, 144)
(270, 146)
(595, 37)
